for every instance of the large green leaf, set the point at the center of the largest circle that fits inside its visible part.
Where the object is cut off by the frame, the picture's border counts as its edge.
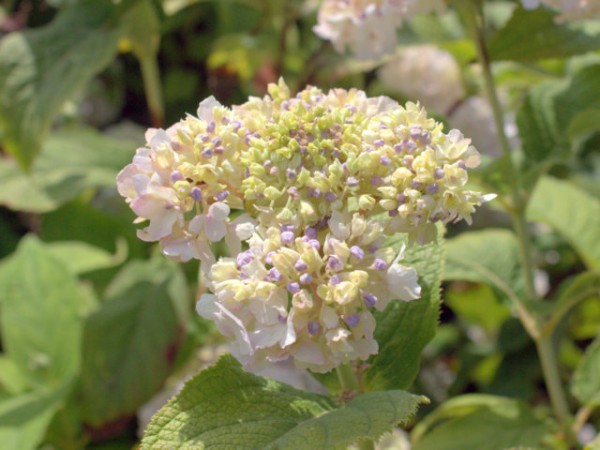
(404, 328)
(533, 35)
(551, 109)
(25, 418)
(488, 256)
(80, 257)
(585, 384)
(480, 422)
(41, 315)
(367, 416)
(225, 407)
(72, 160)
(130, 343)
(573, 213)
(42, 68)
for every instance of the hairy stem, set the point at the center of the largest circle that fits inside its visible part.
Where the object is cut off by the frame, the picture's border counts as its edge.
(347, 378)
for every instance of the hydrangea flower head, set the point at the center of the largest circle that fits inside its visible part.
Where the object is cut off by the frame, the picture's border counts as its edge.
(323, 178)
(570, 9)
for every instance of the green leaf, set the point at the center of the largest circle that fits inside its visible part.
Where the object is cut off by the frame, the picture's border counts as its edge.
(549, 111)
(489, 256)
(479, 422)
(535, 34)
(25, 418)
(80, 257)
(42, 68)
(41, 315)
(367, 416)
(225, 407)
(582, 287)
(12, 380)
(573, 213)
(130, 343)
(585, 384)
(397, 363)
(72, 160)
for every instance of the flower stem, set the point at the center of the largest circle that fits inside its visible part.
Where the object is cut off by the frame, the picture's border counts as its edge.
(474, 21)
(153, 89)
(347, 378)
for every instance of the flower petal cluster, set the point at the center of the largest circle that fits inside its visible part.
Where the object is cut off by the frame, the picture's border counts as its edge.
(322, 179)
(368, 27)
(570, 9)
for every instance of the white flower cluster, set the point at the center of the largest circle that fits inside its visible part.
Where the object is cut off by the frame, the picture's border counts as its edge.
(570, 9)
(323, 179)
(368, 27)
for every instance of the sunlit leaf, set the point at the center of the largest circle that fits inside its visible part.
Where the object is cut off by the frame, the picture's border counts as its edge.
(572, 212)
(41, 315)
(42, 68)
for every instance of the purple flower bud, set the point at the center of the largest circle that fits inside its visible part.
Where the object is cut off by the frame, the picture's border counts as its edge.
(288, 227)
(293, 288)
(376, 181)
(273, 171)
(393, 213)
(379, 142)
(300, 265)
(176, 176)
(433, 188)
(269, 258)
(379, 264)
(225, 120)
(310, 233)
(274, 275)
(210, 128)
(370, 299)
(385, 160)
(416, 184)
(352, 320)
(207, 153)
(236, 125)
(313, 328)
(335, 263)
(316, 193)
(244, 258)
(216, 141)
(219, 150)
(222, 195)
(314, 244)
(401, 198)
(462, 165)
(352, 182)
(373, 248)
(196, 194)
(287, 237)
(330, 196)
(204, 137)
(306, 278)
(438, 173)
(335, 279)
(357, 252)
(290, 173)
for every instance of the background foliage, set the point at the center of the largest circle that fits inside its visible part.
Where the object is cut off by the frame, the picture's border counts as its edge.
(94, 323)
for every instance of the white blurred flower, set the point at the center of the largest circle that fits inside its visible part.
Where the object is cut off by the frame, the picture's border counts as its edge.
(426, 74)
(368, 27)
(570, 9)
